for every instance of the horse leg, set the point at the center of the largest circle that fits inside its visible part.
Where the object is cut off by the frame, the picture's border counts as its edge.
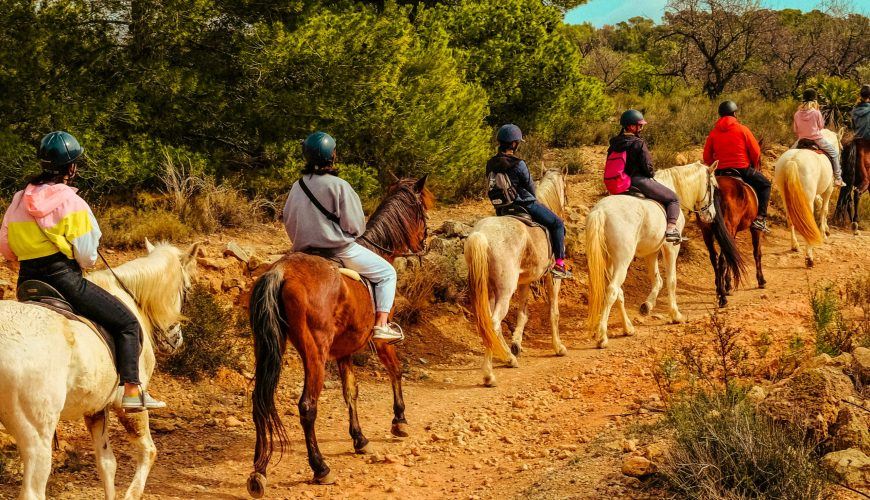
(350, 391)
(139, 435)
(671, 252)
(756, 253)
(857, 197)
(105, 458)
(499, 311)
(315, 364)
(726, 275)
(387, 355)
(34, 445)
(652, 270)
(614, 287)
(522, 318)
(627, 327)
(714, 261)
(555, 286)
(825, 201)
(794, 241)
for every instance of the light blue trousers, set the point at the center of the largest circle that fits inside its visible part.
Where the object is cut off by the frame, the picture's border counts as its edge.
(374, 268)
(832, 153)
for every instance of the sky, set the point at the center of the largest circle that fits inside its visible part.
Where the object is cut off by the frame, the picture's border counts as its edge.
(601, 12)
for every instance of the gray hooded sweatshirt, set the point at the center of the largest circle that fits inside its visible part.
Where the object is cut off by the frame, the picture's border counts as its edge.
(308, 228)
(861, 120)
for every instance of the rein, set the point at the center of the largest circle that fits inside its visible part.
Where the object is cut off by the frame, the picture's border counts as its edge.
(708, 198)
(425, 242)
(123, 286)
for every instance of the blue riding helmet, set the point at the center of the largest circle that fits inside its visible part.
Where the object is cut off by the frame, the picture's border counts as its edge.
(58, 149)
(510, 133)
(318, 149)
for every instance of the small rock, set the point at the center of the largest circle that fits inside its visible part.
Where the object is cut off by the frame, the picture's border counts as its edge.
(629, 445)
(233, 249)
(232, 421)
(216, 264)
(637, 466)
(851, 466)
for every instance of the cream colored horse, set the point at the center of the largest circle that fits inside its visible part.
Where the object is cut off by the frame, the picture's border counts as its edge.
(505, 256)
(619, 228)
(806, 181)
(52, 368)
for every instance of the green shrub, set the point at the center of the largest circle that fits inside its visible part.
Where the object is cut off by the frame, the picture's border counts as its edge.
(207, 345)
(725, 449)
(128, 227)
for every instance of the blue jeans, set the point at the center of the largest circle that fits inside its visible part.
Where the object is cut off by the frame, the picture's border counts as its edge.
(374, 268)
(94, 303)
(545, 217)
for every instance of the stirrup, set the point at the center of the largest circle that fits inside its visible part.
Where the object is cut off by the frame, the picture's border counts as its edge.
(760, 225)
(675, 237)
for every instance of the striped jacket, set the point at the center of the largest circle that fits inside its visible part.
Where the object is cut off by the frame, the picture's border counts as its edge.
(46, 219)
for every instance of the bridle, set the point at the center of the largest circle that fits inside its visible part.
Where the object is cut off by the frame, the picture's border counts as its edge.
(424, 243)
(708, 198)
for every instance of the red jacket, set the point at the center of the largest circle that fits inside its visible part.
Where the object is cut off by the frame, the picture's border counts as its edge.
(732, 144)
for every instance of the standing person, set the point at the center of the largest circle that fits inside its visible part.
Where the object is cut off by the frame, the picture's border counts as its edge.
(509, 138)
(732, 144)
(310, 230)
(53, 234)
(861, 124)
(639, 167)
(808, 124)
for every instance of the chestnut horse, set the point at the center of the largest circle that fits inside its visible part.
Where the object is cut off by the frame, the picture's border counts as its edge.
(856, 175)
(304, 299)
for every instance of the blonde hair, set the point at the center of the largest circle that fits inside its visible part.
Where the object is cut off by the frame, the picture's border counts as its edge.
(808, 105)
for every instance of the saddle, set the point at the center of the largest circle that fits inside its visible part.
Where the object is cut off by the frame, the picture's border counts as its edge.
(329, 254)
(633, 191)
(733, 173)
(809, 144)
(521, 214)
(42, 294)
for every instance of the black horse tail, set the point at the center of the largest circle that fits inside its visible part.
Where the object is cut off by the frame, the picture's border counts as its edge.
(848, 162)
(268, 325)
(727, 245)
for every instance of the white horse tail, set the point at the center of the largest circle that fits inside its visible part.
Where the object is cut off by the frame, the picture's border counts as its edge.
(797, 207)
(269, 345)
(596, 260)
(477, 258)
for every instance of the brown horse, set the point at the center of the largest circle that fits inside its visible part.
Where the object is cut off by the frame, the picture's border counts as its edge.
(856, 175)
(326, 315)
(737, 205)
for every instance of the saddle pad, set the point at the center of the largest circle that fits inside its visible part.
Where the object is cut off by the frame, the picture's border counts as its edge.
(733, 174)
(350, 273)
(101, 332)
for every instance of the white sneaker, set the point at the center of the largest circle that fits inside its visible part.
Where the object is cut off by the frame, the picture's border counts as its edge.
(390, 333)
(839, 182)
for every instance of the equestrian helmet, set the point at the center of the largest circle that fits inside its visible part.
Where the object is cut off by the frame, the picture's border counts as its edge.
(318, 149)
(510, 133)
(810, 95)
(58, 149)
(631, 117)
(727, 108)
(865, 92)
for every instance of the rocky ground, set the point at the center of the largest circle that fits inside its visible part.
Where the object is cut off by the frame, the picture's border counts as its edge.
(553, 428)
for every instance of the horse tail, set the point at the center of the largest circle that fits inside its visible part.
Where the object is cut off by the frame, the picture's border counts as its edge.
(477, 258)
(268, 325)
(596, 259)
(796, 205)
(727, 245)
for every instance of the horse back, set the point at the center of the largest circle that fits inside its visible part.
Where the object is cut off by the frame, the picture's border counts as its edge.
(515, 249)
(738, 203)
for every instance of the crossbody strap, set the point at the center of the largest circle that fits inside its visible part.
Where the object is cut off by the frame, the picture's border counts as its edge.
(329, 215)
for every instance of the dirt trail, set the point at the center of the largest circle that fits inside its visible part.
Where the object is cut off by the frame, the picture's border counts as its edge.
(552, 428)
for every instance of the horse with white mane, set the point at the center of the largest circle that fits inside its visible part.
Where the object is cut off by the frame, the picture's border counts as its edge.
(805, 180)
(621, 227)
(504, 255)
(53, 368)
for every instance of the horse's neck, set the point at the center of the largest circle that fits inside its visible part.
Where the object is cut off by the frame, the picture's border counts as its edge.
(685, 182)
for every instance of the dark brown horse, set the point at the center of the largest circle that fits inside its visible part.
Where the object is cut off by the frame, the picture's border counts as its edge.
(856, 175)
(736, 208)
(326, 315)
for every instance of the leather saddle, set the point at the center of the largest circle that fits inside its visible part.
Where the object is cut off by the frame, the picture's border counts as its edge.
(633, 191)
(521, 214)
(329, 254)
(735, 174)
(809, 144)
(42, 294)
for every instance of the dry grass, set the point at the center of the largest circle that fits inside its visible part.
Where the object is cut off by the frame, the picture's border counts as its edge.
(127, 227)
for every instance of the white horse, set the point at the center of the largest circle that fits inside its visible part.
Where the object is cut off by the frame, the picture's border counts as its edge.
(618, 228)
(52, 368)
(806, 180)
(505, 256)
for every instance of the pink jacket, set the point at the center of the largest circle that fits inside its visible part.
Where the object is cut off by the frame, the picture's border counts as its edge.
(808, 124)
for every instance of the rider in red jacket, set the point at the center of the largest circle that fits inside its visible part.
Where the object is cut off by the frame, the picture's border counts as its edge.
(734, 146)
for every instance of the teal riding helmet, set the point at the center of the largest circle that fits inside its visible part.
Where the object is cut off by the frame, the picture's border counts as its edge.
(631, 117)
(509, 133)
(58, 149)
(318, 149)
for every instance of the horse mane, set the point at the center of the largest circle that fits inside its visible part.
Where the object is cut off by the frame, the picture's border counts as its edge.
(551, 191)
(393, 222)
(152, 280)
(683, 180)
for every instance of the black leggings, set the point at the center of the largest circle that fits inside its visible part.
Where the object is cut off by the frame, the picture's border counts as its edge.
(657, 191)
(94, 303)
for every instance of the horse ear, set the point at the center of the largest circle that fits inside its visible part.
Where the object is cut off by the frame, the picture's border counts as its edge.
(421, 183)
(393, 177)
(193, 252)
(148, 246)
(712, 168)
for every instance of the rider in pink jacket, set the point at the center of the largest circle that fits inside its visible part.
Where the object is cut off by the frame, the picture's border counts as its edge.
(808, 124)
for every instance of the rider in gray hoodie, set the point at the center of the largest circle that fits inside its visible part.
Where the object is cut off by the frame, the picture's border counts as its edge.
(861, 115)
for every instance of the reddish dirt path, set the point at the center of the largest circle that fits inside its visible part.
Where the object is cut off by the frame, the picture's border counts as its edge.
(551, 429)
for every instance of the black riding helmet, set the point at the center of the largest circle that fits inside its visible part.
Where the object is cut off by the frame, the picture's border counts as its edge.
(727, 108)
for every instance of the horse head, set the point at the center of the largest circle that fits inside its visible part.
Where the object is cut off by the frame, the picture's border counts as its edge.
(398, 227)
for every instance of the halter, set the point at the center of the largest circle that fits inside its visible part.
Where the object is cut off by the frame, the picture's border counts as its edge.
(424, 243)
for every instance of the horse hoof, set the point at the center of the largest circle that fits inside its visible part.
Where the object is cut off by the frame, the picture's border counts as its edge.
(723, 303)
(644, 309)
(489, 381)
(678, 319)
(366, 450)
(762, 284)
(328, 478)
(794, 249)
(561, 351)
(513, 363)
(400, 430)
(256, 485)
(602, 344)
(810, 262)
(516, 349)
(629, 332)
